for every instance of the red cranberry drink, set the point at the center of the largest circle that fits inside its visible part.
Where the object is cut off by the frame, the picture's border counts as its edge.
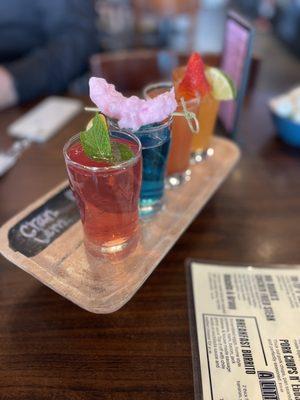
(104, 171)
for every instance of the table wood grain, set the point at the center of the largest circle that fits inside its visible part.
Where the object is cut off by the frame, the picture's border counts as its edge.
(51, 349)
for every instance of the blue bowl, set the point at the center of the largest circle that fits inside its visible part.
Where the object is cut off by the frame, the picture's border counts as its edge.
(288, 130)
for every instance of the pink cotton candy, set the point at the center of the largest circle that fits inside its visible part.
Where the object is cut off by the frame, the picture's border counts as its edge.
(131, 112)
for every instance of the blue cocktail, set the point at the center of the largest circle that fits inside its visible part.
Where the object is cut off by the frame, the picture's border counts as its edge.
(155, 139)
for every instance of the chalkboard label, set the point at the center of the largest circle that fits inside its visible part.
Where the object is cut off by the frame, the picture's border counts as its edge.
(42, 226)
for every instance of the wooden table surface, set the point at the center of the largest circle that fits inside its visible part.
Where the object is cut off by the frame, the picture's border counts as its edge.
(51, 349)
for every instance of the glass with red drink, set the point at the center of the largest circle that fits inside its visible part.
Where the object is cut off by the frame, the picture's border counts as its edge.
(107, 194)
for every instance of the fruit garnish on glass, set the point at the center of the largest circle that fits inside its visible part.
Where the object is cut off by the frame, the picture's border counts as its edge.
(223, 88)
(202, 87)
(194, 81)
(197, 79)
(130, 112)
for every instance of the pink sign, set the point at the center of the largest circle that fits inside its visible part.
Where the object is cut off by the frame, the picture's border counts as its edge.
(233, 63)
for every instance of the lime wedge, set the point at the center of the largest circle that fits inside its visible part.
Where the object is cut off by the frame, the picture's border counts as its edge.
(90, 123)
(222, 86)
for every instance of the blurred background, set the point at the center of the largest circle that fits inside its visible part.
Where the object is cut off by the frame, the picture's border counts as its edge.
(196, 24)
(50, 47)
(184, 26)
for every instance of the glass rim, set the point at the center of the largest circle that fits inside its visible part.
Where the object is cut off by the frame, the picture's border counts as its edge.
(166, 84)
(156, 85)
(162, 125)
(119, 166)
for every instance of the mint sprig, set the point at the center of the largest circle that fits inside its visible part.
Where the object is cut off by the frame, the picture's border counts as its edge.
(121, 152)
(95, 140)
(98, 146)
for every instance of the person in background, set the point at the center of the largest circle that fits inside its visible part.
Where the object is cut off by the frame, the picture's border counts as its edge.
(43, 46)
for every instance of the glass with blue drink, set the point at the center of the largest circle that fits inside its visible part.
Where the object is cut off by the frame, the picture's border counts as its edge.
(155, 140)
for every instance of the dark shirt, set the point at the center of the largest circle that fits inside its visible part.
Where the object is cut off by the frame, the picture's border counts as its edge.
(46, 43)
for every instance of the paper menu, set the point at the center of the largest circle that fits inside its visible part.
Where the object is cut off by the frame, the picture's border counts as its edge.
(247, 324)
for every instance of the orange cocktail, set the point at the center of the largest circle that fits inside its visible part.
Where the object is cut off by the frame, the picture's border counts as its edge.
(206, 112)
(207, 117)
(179, 158)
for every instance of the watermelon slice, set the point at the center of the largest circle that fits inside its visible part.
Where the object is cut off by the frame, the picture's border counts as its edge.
(194, 81)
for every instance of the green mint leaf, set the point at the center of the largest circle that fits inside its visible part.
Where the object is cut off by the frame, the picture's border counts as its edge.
(97, 145)
(95, 140)
(125, 151)
(121, 152)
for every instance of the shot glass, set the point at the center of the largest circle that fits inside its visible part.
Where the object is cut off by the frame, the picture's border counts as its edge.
(107, 195)
(178, 170)
(207, 111)
(207, 116)
(155, 140)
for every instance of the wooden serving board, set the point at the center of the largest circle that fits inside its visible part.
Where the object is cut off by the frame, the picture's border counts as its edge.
(45, 239)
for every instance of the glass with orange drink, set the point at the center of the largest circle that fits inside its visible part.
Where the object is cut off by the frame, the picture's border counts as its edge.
(198, 90)
(207, 116)
(206, 112)
(207, 86)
